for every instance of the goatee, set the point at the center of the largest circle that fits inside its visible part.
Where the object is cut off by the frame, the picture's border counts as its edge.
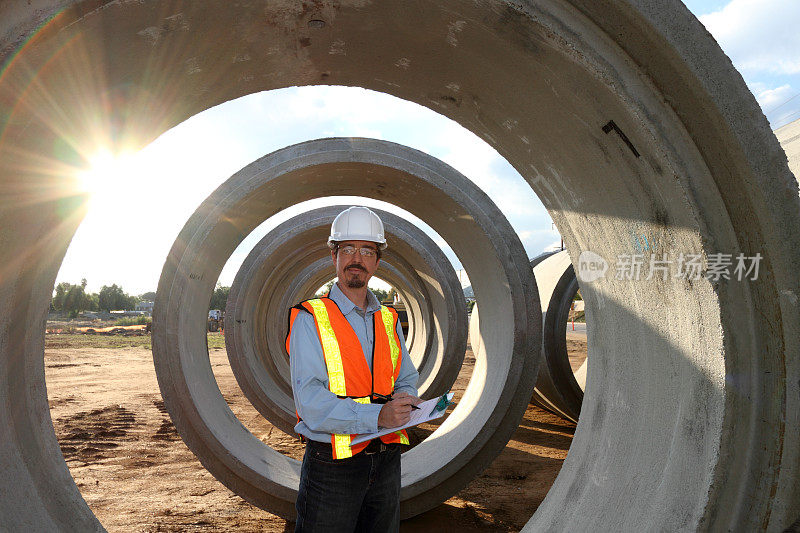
(355, 283)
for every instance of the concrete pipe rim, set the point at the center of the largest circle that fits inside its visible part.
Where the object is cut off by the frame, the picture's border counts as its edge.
(418, 312)
(268, 388)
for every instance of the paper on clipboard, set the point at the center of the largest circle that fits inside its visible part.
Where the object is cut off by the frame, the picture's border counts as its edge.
(427, 411)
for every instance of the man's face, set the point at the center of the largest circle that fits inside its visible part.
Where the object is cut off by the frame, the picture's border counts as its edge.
(355, 270)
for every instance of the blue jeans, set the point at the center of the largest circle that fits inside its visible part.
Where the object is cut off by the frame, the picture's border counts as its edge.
(360, 493)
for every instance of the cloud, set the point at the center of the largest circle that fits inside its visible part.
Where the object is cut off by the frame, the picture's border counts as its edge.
(759, 35)
(770, 99)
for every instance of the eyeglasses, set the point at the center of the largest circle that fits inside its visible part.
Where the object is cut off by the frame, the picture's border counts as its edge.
(364, 251)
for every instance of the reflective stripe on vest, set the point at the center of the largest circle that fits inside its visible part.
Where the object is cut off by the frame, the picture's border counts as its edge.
(330, 349)
(391, 334)
(361, 383)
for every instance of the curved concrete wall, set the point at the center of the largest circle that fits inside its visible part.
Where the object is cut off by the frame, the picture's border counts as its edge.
(715, 445)
(292, 261)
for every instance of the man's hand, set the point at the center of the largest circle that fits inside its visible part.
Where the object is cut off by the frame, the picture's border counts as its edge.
(397, 411)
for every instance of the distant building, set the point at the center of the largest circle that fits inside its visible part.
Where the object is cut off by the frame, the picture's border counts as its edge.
(789, 137)
(123, 312)
(468, 294)
(145, 307)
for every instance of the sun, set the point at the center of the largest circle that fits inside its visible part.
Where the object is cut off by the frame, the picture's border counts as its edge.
(107, 176)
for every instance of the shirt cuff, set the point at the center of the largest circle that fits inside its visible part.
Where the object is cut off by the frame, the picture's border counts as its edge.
(367, 414)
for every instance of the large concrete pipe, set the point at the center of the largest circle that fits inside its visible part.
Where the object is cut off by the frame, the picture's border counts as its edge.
(462, 214)
(292, 261)
(623, 115)
(557, 388)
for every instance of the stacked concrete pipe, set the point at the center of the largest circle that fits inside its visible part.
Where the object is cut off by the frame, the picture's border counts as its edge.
(624, 116)
(292, 261)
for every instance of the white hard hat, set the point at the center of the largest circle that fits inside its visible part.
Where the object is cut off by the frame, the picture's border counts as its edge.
(357, 224)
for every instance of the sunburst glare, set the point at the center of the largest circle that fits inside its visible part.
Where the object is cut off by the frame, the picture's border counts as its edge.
(109, 177)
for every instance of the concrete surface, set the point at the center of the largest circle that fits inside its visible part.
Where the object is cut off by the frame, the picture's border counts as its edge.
(691, 417)
(292, 261)
(580, 329)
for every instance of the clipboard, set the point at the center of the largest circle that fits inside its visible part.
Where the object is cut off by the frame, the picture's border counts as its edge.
(428, 410)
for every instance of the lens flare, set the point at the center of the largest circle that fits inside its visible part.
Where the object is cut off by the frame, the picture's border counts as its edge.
(109, 177)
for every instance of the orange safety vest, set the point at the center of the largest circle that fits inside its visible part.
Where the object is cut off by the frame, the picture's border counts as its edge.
(349, 375)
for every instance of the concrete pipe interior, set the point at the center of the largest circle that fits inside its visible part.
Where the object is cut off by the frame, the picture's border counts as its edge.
(623, 116)
(462, 214)
(292, 261)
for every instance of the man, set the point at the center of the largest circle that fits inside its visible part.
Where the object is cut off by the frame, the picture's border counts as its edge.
(351, 374)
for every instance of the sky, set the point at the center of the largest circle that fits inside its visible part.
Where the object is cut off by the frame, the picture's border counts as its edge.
(140, 201)
(762, 37)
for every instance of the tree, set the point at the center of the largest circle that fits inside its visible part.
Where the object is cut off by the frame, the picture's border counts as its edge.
(58, 297)
(71, 299)
(220, 297)
(114, 298)
(381, 294)
(94, 302)
(325, 290)
(148, 296)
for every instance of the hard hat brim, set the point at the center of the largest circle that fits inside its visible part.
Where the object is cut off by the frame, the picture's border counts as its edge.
(381, 245)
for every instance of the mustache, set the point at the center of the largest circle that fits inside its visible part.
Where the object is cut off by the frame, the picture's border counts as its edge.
(356, 267)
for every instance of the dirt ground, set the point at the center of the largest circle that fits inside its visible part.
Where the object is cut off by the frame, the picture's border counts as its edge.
(576, 350)
(137, 475)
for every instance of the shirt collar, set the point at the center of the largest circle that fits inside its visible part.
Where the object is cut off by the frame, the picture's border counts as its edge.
(346, 305)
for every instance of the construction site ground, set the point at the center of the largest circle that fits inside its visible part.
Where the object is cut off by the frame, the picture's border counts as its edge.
(137, 475)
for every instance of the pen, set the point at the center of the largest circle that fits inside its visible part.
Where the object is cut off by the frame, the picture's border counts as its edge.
(389, 399)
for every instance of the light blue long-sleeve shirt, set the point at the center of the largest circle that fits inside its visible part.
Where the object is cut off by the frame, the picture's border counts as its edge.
(321, 411)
